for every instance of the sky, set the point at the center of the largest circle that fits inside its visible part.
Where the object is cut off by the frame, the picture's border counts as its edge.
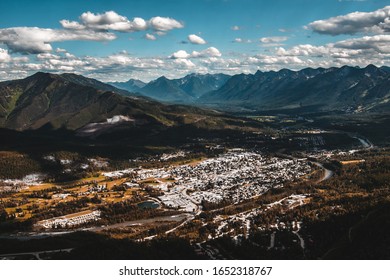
(130, 39)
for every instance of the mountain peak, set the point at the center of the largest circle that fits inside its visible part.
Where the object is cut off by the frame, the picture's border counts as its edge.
(371, 68)
(40, 75)
(162, 78)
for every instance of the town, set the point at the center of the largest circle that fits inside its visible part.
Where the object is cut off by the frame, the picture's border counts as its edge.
(234, 176)
(236, 194)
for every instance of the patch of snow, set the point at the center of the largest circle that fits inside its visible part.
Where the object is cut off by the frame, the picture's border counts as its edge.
(165, 157)
(118, 173)
(84, 166)
(353, 85)
(49, 158)
(31, 179)
(65, 161)
(98, 163)
(91, 128)
(118, 119)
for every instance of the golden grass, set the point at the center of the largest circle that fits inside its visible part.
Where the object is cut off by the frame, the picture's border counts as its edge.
(356, 161)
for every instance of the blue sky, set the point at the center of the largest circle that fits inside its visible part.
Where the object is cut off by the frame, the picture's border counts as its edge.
(118, 40)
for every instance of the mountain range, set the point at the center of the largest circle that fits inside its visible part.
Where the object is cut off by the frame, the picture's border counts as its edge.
(90, 107)
(132, 85)
(86, 106)
(349, 89)
(184, 90)
(346, 88)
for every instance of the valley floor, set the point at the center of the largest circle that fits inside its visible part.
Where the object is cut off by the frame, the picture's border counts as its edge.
(302, 204)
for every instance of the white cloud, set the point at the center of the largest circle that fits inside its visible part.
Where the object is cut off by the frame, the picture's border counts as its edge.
(184, 62)
(180, 55)
(161, 33)
(121, 66)
(113, 21)
(195, 39)
(37, 40)
(71, 25)
(209, 52)
(4, 56)
(356, 51)
(108, 21)
(92, 27)
(150, 37)
(377, 43)
(164, 24)
(277, 60)
(303, 50)
(358, 22)
(240, 40)
(59, 50)
(44, 56)
(272, 40)
(235, 28)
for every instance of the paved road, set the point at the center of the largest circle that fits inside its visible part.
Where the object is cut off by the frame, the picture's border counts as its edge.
(327, 173)
(35, 254)
(363, 141)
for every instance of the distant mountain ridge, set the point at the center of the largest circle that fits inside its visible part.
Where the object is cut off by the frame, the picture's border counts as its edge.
(345, 88)
(132, 85)
(84, 81)
(350, 89)
(182, 90)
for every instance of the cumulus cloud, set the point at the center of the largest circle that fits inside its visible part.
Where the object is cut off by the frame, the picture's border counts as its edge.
(113, 67)
(184, 62)
(164, 24)
(304, 50)
(356, 51)
(180, 54)
(4, 56)
(37, 40)
(107, 21)
(71, 24)
(235, 28)
(272, 40)
(378, 43)
(150, 37)
(112, 21)
(91, 27)
(209, 52)
(121, 66)
(377, 22)
(195, 39)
